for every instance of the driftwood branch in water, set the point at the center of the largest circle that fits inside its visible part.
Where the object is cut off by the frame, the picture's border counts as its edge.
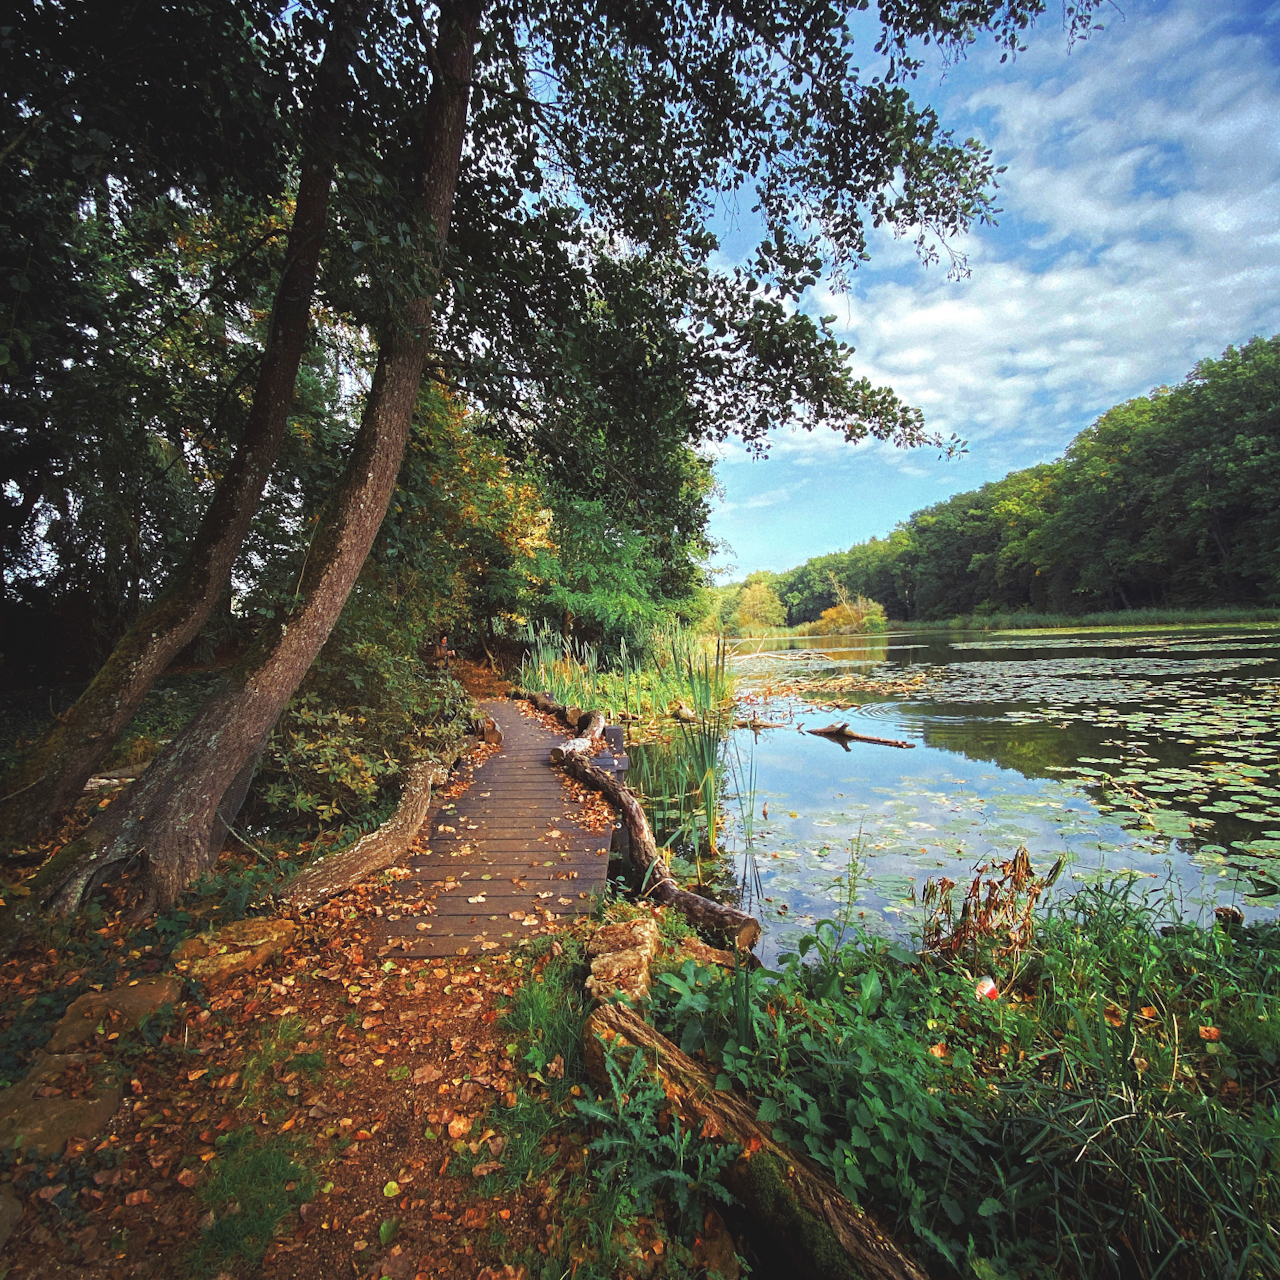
(842, 733)
(786, 1194)
(337, 872)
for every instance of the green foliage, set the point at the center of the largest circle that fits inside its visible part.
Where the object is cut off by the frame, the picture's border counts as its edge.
(666, 667)
(634, 1152)
(1166, 502)
(758, 606)
(1081, 1119)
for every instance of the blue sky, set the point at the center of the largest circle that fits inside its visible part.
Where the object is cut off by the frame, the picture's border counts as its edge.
(1140, 233)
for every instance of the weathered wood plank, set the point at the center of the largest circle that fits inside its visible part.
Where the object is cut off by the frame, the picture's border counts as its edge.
(502, 825)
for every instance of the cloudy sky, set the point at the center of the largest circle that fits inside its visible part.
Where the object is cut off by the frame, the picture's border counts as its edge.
(1140, 233)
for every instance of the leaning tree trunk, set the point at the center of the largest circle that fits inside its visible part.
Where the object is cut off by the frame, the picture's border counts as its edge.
(48, 781)
(166, 818)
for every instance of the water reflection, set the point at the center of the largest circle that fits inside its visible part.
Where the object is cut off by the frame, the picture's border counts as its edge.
(1150, 753)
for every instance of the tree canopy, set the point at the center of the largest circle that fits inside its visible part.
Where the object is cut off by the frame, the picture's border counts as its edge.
(1168, 500)
(511, 202)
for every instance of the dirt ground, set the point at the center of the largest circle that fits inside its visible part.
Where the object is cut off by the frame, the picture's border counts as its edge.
(392, 1066)
(381, 1077)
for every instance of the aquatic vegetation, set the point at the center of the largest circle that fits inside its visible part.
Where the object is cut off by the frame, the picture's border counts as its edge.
(673, 667)
(1113, 1110)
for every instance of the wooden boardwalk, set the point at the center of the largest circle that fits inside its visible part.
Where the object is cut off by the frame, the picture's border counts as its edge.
(503, 860)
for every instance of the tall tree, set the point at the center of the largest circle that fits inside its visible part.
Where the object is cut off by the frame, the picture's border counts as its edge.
(643, 116)
(51, 776)
(173, 810)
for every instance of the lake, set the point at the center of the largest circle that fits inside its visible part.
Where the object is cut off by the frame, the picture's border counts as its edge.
(1153, 754)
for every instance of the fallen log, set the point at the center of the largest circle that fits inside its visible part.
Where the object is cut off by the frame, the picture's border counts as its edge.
(659, 884)
(586, 740)
(820, 1232)
(337, 872)
(842, 732)
(756, 725)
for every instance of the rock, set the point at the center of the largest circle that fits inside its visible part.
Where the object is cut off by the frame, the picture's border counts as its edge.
(48, 1123)
(132, 1003)
(697, 950)
(713, 1249)
(626, 935)
(10, 1212)
(238, 948)
(624, 973)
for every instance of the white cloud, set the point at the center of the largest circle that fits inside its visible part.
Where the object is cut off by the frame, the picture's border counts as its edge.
(1140, 234)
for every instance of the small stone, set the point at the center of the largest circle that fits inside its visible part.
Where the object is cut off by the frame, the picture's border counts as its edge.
(239, 948)
(132, 1003)
(626, 935)
(48, 1123)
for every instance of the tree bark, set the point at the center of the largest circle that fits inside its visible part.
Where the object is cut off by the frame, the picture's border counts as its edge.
(785, 1193)
(49, 780)
(167, 817)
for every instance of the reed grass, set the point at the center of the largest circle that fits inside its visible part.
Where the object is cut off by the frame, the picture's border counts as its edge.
(671, 667)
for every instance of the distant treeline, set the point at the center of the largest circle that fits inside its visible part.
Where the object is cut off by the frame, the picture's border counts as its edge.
(1171, 500)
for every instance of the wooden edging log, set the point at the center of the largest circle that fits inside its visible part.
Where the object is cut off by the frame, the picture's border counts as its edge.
(588, 735)
(658, 883)
(337, 872)
(842, 732)
(821, 1233)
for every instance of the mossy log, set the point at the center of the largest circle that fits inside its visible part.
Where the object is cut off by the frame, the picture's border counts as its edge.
(821, 1233)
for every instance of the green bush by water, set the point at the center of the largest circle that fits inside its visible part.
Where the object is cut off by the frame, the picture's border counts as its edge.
(1115, 1112)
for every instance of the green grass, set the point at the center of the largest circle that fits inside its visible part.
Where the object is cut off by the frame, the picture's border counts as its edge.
(256, 1183)
(1118, 620)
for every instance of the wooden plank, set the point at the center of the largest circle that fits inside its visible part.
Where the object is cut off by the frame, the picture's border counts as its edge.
(501, 830)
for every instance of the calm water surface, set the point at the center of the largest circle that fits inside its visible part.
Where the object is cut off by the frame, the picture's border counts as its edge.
(1153, 753)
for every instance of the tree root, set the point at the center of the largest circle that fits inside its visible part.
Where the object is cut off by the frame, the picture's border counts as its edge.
(337, 872)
